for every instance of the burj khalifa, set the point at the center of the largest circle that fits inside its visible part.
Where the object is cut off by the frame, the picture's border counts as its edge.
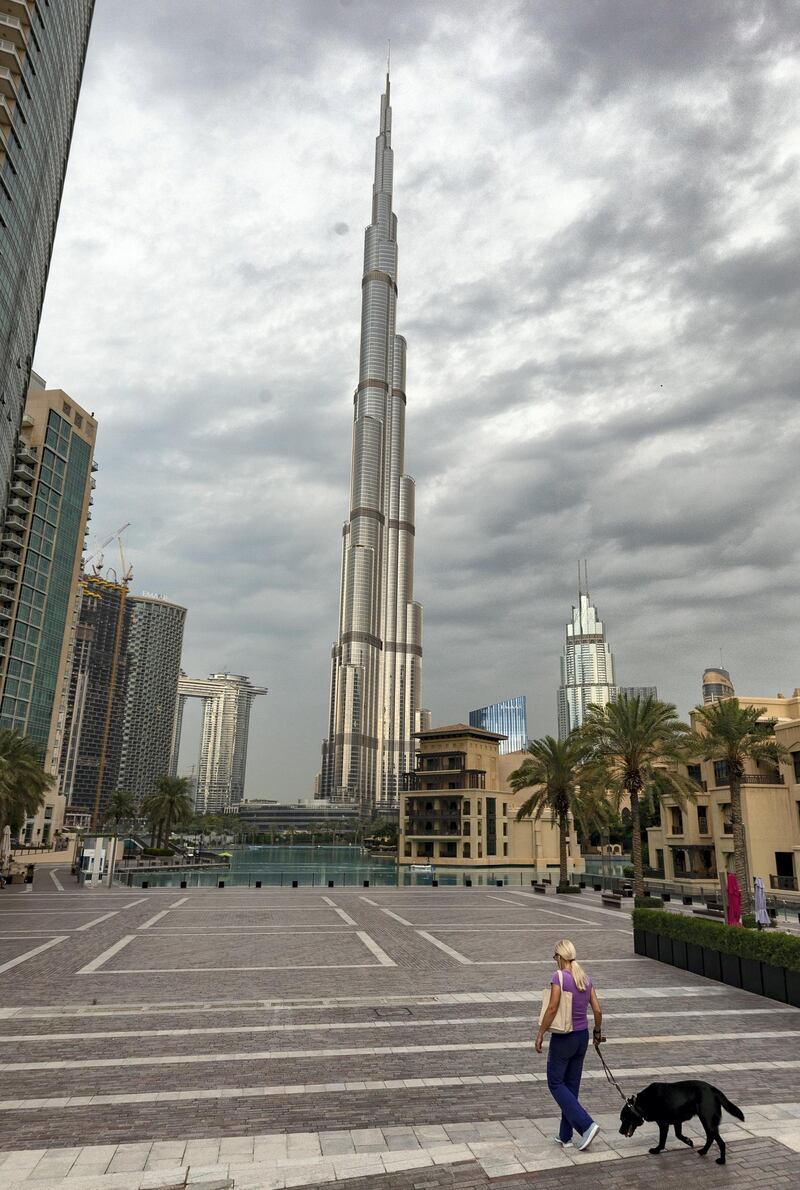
(376, 663)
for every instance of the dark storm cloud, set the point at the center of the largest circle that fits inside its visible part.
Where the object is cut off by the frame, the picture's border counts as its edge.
(598, 282)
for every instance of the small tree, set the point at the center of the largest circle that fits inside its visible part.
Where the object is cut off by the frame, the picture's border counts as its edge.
(630, 745)
(23, 781)
(168, 805)
(121, 808)
(554, 769)
(734, 734)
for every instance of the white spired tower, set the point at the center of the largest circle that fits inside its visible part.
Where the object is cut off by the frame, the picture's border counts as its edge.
(587, 664)
(377, 660)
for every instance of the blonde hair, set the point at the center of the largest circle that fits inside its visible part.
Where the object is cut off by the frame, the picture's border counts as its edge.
(566, 951)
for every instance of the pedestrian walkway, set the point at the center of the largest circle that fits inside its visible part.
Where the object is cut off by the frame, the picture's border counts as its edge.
(270, 1038)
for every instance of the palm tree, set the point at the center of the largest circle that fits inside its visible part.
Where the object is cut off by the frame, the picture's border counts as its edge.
(631, 745)
(23, 781)
(554, 769)
(733, 734)
(168, 805)
(121, 808)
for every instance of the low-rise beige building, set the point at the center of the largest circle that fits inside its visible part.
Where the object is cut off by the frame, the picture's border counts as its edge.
(458, 809)
(696, 842)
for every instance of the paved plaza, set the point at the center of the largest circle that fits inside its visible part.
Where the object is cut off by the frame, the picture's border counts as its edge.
(265, 1038)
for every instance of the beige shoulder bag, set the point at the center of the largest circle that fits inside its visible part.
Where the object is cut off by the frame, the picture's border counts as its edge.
(562, 1022)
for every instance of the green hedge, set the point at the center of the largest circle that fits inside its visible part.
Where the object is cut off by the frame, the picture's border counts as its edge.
(783, 950)
(157, 851)
(648, 902)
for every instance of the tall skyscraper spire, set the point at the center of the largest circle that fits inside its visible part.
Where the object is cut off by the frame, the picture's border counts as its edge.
(377, 660)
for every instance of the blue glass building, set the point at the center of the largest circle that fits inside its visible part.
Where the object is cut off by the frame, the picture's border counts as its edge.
(509, 717)
(42, 52)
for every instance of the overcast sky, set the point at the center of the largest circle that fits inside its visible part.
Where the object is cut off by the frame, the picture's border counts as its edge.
(598, 231)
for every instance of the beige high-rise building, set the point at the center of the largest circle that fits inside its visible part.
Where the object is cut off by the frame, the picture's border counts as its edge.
(459, 811)
(696, 843)
(40, 555)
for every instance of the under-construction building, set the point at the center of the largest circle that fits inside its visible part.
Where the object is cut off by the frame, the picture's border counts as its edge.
(92, 739)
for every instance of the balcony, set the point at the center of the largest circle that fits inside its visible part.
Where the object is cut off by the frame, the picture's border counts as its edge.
(9, 56)
(25, 455)
(18, 505)
(441, 781)
(7, 558)
(17, 8)
(5, 611)
(783, 883)
(8, 83)
(22, 489)
(15, 522)
(22, 470)
(432, 828)
(11, 30)
(440, 762)
(7, 538)
(753, 779)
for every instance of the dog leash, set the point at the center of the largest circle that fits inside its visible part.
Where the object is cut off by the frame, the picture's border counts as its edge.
(628, 1100)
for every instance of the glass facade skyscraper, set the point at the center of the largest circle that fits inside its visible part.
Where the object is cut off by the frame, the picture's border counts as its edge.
(155, 641)
(376, 663)
(227, 702)
(42, 54)
(587, 667)
(40, 553)
(510, 718)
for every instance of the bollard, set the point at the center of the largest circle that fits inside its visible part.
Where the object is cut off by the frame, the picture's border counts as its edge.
(294, 884)
(183, 884)
(220, 884)
(258, 884)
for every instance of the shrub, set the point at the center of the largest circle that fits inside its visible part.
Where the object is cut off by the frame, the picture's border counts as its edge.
(157, 851)
(782, 950)
(628, 871)
(567, 888)
(648, 902)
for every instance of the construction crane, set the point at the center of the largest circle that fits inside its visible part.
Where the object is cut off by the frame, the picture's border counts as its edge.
(127, 572)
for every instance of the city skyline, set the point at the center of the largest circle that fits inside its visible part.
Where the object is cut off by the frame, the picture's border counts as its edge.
(597, 280)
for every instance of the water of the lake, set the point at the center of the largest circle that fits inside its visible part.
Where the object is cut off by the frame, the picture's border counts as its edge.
(315, 866)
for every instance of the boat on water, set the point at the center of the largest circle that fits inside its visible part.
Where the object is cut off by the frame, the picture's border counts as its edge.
(420, 867)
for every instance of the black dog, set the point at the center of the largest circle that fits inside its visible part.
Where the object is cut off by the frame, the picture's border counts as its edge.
(675, 1103)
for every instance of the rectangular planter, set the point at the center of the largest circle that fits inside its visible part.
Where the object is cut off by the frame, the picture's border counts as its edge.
(774, 979)
(666, 897)
(731, 970)
(712, 966)
(639, 943)
(694, 958)
(679, 957)
(651, 944)
(664, 948)
(686, 900)
(793, 988)
(751, 976)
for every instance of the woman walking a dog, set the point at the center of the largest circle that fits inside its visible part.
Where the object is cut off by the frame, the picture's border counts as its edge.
(568, 1047)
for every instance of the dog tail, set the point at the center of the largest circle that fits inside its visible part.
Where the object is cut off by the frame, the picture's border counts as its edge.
(730, 1107)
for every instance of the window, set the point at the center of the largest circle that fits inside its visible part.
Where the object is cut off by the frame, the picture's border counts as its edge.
(702, 819)
(465, 827)
(480, 851)
(466, 851)
(505, 828)
(505, 849)
(721, 772)
(695, 771)
(465, 809)
(505, 808)
(796, 760)
(67, 408)
(78, 421)
(727, 824)
(676, 820)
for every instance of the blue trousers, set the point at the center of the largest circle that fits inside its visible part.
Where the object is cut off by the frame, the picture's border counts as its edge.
(564, 1069)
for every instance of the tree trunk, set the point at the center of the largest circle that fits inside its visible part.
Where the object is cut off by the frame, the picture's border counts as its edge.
(740, 864)
(636, 845)
(563, 828)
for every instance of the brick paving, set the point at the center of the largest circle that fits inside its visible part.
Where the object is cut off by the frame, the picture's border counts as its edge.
(168, 1016)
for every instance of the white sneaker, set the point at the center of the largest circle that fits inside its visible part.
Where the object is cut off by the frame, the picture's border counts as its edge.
(588, 1136)
(565, 1144)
